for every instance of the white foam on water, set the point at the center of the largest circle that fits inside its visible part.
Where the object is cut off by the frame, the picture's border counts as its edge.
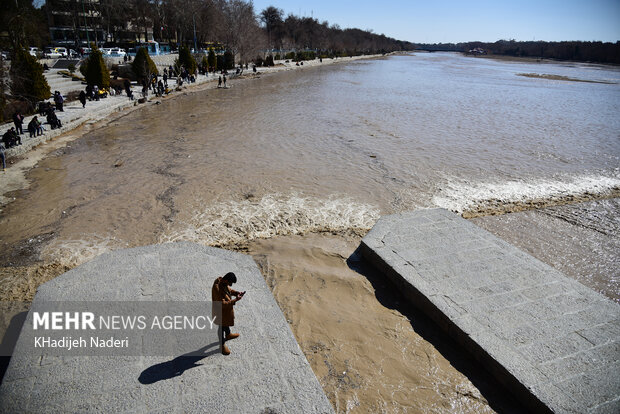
(233, 221)
(460, 196)
(77, 251)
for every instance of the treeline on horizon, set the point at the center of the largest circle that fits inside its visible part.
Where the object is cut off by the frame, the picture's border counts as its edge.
(579, 51)
(294, 32)
(232, 24)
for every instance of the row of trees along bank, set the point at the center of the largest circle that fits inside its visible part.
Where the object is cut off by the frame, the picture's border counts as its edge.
(233, 24)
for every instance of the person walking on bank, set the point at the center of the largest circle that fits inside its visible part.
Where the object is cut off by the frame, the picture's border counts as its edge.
(221, 292)
(2, 156)
(128, 91)
(82, 99)
(18, 120)
(58, 100)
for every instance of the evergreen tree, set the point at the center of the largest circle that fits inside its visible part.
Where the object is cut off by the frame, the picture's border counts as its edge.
(95, 70)
(187, 60)
(143, 66)
(229, 60)
(177, 66)
(212, 60)
(28, 81)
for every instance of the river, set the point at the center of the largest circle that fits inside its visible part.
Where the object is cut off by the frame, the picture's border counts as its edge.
(295, 167)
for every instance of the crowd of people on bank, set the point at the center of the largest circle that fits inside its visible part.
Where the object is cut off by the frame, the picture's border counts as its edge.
(159, 86)
(12, 137)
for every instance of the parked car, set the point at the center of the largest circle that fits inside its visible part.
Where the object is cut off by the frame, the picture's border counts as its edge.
(51, 53)
(60, 53)
(117, 52)
(56, 52)
(113, 52)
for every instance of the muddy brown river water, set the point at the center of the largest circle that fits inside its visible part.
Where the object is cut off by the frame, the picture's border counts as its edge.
(294, 168)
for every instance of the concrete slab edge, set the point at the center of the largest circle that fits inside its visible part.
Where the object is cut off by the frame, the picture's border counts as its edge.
(477, 351)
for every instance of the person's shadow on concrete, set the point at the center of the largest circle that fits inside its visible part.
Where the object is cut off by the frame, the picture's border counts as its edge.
(9, 340)
(177, 366)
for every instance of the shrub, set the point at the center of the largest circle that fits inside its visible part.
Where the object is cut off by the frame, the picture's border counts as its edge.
(258, 61)
(143, 66)
(72, 96)
(229, 60)
(24, 107)
(290, 55)
(213, 61)
(28, 81)
(204, 62)
(219, 61)
(187, 60)
(269, 61)
(277, 57)
(311, 55)
(95, 71)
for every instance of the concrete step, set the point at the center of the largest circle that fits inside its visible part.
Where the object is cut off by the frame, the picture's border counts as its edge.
(550, 340)
(64, 63)
(168, 371)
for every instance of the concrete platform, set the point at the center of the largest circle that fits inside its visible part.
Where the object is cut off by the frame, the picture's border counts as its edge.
(266, 372)
(553, 342)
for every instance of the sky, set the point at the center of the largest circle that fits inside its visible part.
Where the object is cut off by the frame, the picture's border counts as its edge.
(453, 21)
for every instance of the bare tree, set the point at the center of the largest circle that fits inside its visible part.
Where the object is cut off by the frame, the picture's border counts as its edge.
(241, 31)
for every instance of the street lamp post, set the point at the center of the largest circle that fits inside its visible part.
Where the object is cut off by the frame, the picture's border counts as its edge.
(194, 19)
(85, 26)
